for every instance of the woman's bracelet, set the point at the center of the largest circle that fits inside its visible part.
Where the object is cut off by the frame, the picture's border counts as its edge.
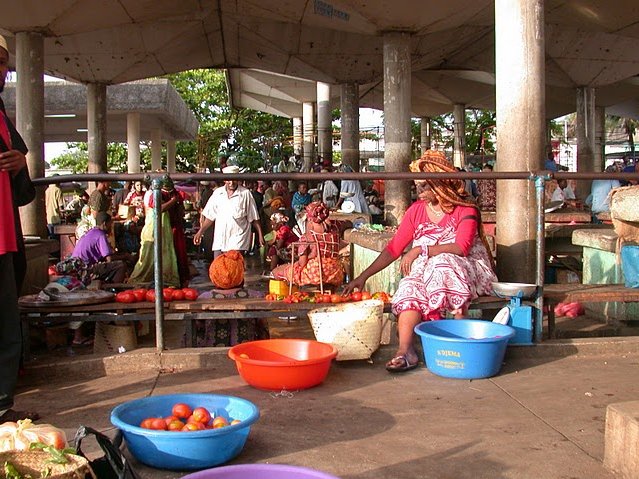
(425, 251)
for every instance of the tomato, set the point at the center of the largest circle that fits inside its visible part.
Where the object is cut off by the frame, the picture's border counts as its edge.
(146, 423)
(167, 294)
(125, 297)
(356, 296)
(181, 410)
(178, 295)
(158, 424)
(140, 295)
(190, 294)
(201, 414)
(382, 296)
(193, 426)
(175, 425)
(219, 421)
(170, 419)
(366, 295)
(235, 421)
(150, 295)
(335, 298)
(270, 297)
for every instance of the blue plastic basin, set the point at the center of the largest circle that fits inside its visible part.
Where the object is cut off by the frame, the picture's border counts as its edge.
(464, 348)
(261, 471)
(185, 450)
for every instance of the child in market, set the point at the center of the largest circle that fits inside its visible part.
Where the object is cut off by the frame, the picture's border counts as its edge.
(279, 251)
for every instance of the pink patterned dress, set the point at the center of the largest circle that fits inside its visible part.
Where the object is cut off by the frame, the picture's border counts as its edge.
(445, 281)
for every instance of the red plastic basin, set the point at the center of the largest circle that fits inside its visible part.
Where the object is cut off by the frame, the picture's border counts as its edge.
(277, 364)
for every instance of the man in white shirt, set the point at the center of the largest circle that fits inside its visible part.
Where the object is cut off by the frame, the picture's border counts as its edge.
(563, 193)
(233, 210)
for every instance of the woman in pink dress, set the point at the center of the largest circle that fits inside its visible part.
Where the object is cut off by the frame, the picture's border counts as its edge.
(448, 263)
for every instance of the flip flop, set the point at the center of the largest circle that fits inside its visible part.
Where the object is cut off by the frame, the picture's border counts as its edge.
(403, 366)
(83, 342)
(11, 415)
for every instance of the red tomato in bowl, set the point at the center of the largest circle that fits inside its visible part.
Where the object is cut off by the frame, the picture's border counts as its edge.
(181, 410)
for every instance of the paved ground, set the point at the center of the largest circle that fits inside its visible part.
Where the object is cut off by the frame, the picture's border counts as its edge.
(543, 416)
(538, 418)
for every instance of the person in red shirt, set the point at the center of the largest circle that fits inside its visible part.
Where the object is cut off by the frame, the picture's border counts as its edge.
(16, 190)
(448, 263)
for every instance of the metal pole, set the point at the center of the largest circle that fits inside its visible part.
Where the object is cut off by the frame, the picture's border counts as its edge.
(540, 182)
(156, 185)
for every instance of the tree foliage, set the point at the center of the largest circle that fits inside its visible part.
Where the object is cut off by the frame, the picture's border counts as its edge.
(250, 137)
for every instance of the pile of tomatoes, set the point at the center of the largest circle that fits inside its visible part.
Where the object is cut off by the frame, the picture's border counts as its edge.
(168, 294)
(300, 297)
(183, 418)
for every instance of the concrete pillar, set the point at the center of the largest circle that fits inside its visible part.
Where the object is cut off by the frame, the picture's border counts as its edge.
(324, 121)
(309, 135)
(600, 138)
(29, 63)
(349, 106)
(424, 131)
(520, 108)
(156, 149)
(459, 139)
(97, 127)
(397, 131)
(133, 142)
(170, 155)
(585, 124)
(298, 135)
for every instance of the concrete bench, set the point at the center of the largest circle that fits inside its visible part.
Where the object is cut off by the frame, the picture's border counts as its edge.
(622, 439)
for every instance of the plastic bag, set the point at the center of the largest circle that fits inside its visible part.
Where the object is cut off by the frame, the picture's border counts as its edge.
(113, 465)
(20, 435)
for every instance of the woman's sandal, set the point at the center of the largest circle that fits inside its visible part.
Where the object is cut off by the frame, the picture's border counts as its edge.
(83, 342)
(400, 364)
(11, 415)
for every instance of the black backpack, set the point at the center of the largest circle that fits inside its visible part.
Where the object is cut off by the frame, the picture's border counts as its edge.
(113, 465)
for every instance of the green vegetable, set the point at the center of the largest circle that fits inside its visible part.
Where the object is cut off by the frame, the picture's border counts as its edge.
(57, 456)
(10, 472)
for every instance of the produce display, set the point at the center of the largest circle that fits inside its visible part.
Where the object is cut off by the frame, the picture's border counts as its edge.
(168, 294)
(301, 296)
(184, 419)
(22, 434)
(570, 310)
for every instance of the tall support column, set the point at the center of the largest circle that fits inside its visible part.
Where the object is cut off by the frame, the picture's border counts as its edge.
(324, 121)
(600, 138)
(97, 127)
(520, 102)
(298, 135)
(349, 105)
(309, 135)
(156, 149)
(133, 142)
(459, 130)
(397, 131)
(30, 122)
(424, 130)
(170, 155)
(585, 123)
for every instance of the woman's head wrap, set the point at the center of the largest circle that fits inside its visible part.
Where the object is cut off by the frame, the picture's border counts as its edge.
(317, 212)
(345, 168)
(167, 183)
(449, 191)
(279, 218)
(277, 203)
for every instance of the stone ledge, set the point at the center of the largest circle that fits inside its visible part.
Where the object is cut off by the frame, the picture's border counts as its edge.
(622, 439)
(603, 239)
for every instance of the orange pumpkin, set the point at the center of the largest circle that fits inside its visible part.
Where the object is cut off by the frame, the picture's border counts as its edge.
(227, 270)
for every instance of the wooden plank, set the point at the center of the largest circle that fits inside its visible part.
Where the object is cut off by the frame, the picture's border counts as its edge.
(590, 293)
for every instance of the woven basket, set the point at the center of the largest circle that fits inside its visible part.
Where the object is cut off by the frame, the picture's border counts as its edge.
(36, 463)
(355, 329)
(109, 337)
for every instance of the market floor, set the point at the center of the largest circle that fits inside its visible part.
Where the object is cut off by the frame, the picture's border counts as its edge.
(543, 416)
